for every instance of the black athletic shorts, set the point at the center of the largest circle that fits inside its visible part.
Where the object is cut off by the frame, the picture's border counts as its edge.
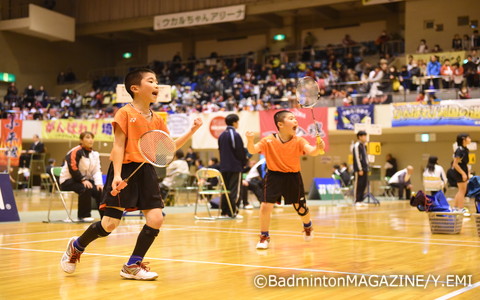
(457, 176)
(288, 185)
(141, 193)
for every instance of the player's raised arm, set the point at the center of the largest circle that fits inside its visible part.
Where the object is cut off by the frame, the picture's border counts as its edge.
(184, 138)
(314, 151)
(251, 146)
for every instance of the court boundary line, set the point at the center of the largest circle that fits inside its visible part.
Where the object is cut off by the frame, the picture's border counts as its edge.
(242, 231)
(228, 264)
(166, 227)
(458, 292)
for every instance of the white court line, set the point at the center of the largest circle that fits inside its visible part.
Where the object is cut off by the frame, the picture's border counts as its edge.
(213, 263)
(458, 292)
(229, 230)
(323, 233)
(239, 231)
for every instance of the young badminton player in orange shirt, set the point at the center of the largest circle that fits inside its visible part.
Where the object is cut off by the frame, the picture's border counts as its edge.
(142, 192)
(282, 151)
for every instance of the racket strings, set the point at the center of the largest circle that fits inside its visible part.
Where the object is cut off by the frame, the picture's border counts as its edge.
(157, 148)
(307, 91)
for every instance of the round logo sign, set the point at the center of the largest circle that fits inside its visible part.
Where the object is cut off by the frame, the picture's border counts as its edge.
(217, 126)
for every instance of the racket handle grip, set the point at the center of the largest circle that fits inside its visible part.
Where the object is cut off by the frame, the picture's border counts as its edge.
(120, 187)
(319, 141)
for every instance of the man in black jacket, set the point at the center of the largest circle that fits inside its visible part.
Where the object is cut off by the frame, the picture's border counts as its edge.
(232, 160)
(360, 166)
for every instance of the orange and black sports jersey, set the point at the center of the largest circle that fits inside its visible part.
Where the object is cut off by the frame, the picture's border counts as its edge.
(283, 157)
(133, 124)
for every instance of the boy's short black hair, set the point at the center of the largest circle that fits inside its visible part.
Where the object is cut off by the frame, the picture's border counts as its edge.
(134, 78)
(361, 133)
(231, 118)
(279, 116)
(214, 160)
(85, 133)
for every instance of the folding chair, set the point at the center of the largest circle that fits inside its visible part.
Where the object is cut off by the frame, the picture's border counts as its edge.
(347, 191)
(205, 190)
(56, 188)
(179, 183)
(46, 182)
(388, 190)
(433, 184)
(37, 166)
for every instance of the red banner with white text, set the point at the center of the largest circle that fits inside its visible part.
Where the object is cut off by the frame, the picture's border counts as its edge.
(11, 142)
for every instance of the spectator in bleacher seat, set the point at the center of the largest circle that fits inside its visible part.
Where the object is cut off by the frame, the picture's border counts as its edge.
(381, 43)
(421, 97)
(348, 43)
(308, 47)
(447, 74)
(475, 39)
(70, 76)
(433, 99)
(466, 42)
(463, 93)
(394, 79)
(374, 78)
(29, 97)
(309, 40)
(11, 98)
(433, 70)
(422, 47)
(61, 78)
(457, 75)
(405, 78)
(457, 43)
(410, 62)
(437, 49)
(41, 97)
(470, 71)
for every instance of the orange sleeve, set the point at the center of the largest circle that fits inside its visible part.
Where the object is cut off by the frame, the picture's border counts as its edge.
(162, 126)
(301, 143)
(120, 120)
(262, 143)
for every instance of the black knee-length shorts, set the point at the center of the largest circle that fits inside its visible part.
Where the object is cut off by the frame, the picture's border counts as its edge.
(141, 193)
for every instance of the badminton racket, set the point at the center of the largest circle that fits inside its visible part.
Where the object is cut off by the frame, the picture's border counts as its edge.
(157, 148)
(307, 97)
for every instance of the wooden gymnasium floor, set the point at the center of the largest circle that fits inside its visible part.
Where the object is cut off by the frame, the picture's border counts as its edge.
(218, 260)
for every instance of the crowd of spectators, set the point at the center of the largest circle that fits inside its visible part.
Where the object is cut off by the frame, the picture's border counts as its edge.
(252, 82)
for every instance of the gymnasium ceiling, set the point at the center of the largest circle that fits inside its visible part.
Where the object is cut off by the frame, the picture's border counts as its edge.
(259, 18)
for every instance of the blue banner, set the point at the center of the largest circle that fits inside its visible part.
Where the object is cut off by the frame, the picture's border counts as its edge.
(325, 189)
(8, 207)
(448, 112)
(348, 116)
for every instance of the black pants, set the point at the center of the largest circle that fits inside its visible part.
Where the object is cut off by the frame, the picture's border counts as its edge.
(84, 196)
(401, 187)
(256, 186)
(232, 182)
(360, 186)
